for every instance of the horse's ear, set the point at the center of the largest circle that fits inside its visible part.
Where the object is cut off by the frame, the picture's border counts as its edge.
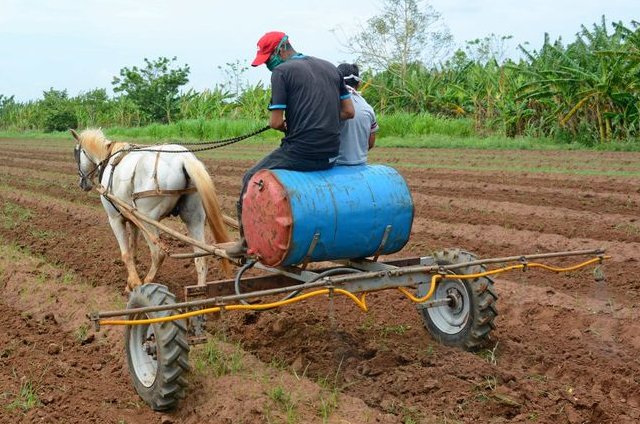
(105, 140)
(75, 135)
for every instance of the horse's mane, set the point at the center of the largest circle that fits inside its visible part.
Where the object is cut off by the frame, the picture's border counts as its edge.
(99, 146)
(94, 142)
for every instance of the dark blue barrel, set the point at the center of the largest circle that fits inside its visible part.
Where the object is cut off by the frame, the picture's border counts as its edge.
(346, 212)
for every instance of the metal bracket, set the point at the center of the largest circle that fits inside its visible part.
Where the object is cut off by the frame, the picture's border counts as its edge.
(383, 242)
(260, 184)
(95, 318)
(598, 274)
(312, 247)
(525, 264)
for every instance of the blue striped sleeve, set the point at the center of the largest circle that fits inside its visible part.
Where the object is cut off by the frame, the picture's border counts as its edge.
(273, 107)
(345, 96)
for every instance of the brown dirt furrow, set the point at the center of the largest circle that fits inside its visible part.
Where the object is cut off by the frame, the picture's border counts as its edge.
(42, 156)
(40, 361)
(570, 223)
(564, 349)
(68, 234)
(494, 241)
(535, 241)
(621, 185)
(534, 196)
(389, 348)
(599, 159)
(63, 168)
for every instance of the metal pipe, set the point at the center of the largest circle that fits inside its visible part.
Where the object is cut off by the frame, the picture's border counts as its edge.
(216, 301)
(431, 268)
(338, 280)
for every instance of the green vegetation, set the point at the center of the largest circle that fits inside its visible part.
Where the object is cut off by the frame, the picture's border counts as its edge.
(216, 358)
(81, 333)
(584, 92)
(394, 329)
(155, 88)
(284, 401)
(329, 398)
(489, 355)
(13, 215)
(26, 399)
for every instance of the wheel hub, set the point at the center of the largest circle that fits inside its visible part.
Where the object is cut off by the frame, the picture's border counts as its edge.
(456, 301)
(451, 318)
(150, 347)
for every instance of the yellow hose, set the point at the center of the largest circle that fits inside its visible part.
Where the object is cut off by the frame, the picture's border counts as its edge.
(360, 302)
(435, 278)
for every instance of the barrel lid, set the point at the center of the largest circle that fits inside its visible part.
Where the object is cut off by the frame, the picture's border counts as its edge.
(266, 218)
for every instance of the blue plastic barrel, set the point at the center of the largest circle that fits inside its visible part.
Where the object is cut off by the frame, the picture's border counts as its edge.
(346, 212)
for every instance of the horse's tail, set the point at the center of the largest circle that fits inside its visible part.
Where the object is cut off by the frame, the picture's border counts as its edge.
(201, 178)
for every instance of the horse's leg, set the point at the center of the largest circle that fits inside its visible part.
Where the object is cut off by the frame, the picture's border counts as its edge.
(134, 232)
(119, 228)
(192, 214)
(157, 254)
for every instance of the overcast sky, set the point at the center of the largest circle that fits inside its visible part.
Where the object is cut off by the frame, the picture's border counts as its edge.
(80, 45)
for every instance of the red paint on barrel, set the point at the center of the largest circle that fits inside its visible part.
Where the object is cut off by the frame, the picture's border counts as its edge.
(267, 218)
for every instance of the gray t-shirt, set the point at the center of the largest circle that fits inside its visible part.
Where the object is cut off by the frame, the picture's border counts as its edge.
(354, 133)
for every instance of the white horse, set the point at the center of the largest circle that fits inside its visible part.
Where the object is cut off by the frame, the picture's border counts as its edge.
(157, 185)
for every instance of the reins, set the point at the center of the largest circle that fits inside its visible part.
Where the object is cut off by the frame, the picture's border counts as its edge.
(210, 145)
(215, 144)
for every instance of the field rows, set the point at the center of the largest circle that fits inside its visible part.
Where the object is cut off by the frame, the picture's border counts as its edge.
(560, 339)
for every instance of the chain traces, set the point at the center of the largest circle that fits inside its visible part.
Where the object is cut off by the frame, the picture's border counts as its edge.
(210, 146)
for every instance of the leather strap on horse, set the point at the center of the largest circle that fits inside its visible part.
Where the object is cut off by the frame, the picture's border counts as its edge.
(158, 192)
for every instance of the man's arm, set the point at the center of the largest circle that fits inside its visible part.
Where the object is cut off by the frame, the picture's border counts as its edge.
(374, 127)
(276, 120)
(372, 140)
(347, 110)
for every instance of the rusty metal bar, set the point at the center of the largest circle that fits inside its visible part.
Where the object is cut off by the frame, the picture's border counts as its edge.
(436, 268)
(390, 278)
(276, 279)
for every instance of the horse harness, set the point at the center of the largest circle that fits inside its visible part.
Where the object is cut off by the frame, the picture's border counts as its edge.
(157, 191)
(120, 154)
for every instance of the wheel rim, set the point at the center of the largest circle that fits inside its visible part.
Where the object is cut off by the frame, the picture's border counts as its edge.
(452, 318)
(143, 351)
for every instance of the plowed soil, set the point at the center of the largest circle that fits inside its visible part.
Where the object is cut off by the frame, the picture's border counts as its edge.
(565, 348)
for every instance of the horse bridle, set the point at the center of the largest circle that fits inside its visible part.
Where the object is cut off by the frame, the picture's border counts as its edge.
(76, 154)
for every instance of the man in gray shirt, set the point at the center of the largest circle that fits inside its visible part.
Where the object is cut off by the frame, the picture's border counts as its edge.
(357, 135)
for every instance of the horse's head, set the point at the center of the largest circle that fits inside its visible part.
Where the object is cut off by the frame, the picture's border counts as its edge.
(88, 166)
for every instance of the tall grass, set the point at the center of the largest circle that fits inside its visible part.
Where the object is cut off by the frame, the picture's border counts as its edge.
(193, 129)
(419, 124)
(585, 91)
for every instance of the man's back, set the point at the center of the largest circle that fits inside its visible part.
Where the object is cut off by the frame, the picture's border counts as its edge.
(355, 133)
(308, 89)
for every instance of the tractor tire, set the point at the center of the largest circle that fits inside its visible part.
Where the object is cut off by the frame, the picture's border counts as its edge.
(467, 322)
(157, 354)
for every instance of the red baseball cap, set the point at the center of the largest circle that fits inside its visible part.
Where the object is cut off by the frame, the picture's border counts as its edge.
(266, 45)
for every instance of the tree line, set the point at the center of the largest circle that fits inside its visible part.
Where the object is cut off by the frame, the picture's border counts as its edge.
(587, 90)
